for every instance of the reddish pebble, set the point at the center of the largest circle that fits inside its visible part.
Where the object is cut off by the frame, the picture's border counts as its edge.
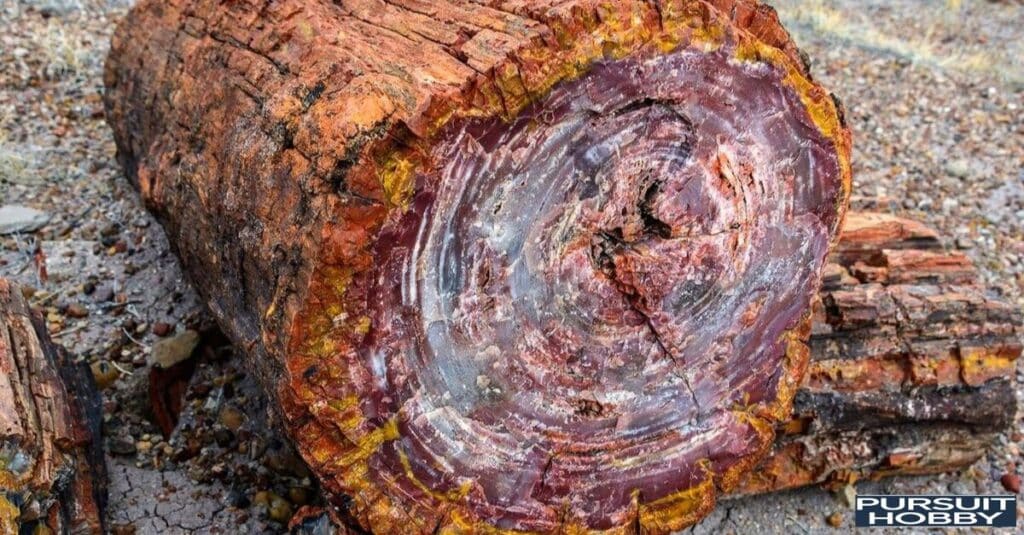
(1011, 482)
(162, 329)
(76, 310)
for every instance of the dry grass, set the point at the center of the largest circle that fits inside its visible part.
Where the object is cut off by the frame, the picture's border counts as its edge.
(931, 45)
(13, 166)
(58, 46)
(62, 56)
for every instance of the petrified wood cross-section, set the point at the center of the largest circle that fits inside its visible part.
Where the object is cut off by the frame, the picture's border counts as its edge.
(526, 266)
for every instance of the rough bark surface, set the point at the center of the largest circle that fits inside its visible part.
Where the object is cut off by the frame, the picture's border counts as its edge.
(541, 266)
(912, 363)
(52, 473)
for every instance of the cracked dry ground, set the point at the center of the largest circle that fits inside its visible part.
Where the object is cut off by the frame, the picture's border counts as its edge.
(934, 95)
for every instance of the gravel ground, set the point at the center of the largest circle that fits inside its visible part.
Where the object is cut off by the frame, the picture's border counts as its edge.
(933, 91)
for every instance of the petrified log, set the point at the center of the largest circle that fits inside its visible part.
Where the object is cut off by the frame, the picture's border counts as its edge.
(912, 363)
(541, 266)
(52, 473)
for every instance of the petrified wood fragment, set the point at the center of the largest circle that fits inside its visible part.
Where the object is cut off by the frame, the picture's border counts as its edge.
(52, 474)
(912, 363)
(540, 266)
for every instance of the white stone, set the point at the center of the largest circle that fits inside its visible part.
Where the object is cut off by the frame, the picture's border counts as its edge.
(16, 218)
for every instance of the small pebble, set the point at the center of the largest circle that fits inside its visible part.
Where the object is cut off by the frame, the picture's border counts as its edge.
(178, 348)
(960, 488)
(238, 500)
(299, 495)
(835, 519)
(76, 310)
(119, 446)
(122, 529)
(104, 373)
(277, 507)
(231, 418)
(848, 495)
(1011, 482)
(280, 509)
(104, 294)
(162, 329)
(959, 168)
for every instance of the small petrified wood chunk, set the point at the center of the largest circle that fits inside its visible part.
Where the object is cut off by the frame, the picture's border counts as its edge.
(52, 473)
(540, 266)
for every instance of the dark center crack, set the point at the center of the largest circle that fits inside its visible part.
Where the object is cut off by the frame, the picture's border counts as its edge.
(604, 248)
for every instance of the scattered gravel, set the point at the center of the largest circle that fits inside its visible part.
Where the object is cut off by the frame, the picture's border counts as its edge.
(934, 96)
